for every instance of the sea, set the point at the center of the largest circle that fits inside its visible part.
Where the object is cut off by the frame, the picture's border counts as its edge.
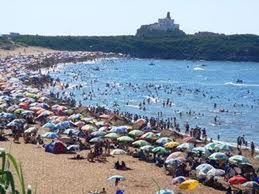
(197, 91)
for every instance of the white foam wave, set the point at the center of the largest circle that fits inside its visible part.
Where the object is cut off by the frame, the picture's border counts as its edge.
(198, 69)
(241, 85)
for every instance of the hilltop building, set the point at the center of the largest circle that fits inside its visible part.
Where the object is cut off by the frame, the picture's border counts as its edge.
(164, 26)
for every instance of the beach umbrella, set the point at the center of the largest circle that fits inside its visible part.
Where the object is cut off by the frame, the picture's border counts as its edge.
(17, 123)
(7, 116)
(178, 179)
(19, 111)
(186, 146)
(171, 144)
(112, 136)
(120, 129)
(165, 191)
(235, 180)
(118, 152)
(49, 126)
(140, 143)
(239, 160)
(73, 148)
(147, 148)
(31, 130)
(218, 156)
(159, 150)
(63, 125)
(24, 105)
(27, 112)
(201, 150)
(96, 140)
(98, 134)
(136, 133)
(104, 116)
(71, 131)
(189, 184)
(175, 155)
(149, 136)
(79, 124)
(45, 114)
(75, 117)
(204, 168)
(103, 129)
(88, 128)
(174, 162)
(116, 177)
(50, 135)
(257, 157)
(251, 185)
(224, 147)
(215, 172)
(163, 140)
(211, 146)
(125, 139)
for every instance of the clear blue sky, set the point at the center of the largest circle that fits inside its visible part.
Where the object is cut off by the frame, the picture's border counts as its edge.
(117, 17)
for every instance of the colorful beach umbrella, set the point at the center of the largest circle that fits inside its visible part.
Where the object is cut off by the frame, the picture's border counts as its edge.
(236, 180)
(140, 143)
(96, 140)
(147, 148)
(159, 150)
(218, 156)
(89, 128)
(149, 136)
(172, 144)
(113, 136)
(116, 177)
(186, 146)
(211, 146)
(201, 150)
(136, 133)
(239, 160)
(251, 185)
(118, 152)
(190, 184)
(125, 139)
(163, 140)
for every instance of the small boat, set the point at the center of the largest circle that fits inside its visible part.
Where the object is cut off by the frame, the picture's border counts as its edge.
(239, 81)
(151, 64)
(96, 69)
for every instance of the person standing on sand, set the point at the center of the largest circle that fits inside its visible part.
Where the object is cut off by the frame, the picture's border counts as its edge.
(252, 148)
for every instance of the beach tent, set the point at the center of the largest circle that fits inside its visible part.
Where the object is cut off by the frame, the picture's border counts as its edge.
(55, 148)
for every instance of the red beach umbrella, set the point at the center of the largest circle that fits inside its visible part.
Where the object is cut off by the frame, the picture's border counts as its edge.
(235, 180)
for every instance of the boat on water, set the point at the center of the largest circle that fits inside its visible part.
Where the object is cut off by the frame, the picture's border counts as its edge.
(239, 81)
(151, 64)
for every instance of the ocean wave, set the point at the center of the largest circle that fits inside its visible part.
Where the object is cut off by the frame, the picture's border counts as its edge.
(198, 69)
(133, 106)
(240, 84)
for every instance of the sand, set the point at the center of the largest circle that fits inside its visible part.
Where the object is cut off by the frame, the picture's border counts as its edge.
(50, 173)
(24, 51)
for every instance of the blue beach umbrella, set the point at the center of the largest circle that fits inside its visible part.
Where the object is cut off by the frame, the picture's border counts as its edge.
(50, 135)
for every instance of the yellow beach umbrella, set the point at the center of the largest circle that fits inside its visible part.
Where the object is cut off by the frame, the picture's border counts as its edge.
(189, 184)
(171, 144)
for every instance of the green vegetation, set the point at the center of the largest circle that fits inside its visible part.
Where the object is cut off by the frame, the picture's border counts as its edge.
(7, 183)
(200, 46)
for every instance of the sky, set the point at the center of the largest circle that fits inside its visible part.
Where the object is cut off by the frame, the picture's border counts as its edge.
(123, 17)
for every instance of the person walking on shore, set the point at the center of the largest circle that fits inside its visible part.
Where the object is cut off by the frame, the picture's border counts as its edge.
(252, 148)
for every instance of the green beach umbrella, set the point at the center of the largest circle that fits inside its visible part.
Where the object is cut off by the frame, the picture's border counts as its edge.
(19, 111)
(239, 160)
(211, 146)
(224, 147)
(125, 139)
(149, 136)
(136, 133)
(140, 143)
(113, 136)
(202, 150)
(251, 185)
(147, 148)
(159, 150)
(96, 140)
(218, 156)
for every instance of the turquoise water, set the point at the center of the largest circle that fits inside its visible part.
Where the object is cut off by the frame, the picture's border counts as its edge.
(190, 85)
